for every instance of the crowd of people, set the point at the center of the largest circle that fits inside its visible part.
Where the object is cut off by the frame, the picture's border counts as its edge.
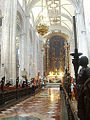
(69, 85)
(25, 83)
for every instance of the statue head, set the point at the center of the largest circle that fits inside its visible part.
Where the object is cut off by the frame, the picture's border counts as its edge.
(83, 61)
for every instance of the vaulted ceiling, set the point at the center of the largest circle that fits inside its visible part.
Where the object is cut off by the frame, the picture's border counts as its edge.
(57, 14)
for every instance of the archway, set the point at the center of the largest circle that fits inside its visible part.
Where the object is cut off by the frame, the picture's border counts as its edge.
(56, 58)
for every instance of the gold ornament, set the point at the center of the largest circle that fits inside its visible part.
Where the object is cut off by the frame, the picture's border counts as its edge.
(42, 29)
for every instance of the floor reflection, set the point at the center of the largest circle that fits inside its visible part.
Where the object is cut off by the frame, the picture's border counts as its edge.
(20, 118)
(45, 106)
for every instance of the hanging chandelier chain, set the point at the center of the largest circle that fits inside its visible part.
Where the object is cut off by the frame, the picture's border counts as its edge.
(42, 28)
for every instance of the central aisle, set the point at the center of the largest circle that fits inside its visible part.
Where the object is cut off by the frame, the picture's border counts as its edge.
(45, 106)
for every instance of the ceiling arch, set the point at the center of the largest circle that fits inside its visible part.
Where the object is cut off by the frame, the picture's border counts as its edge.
(75, 3)
(57, 34)
(67, 11)
(59, 12)
(19, 22)
(31, 3)
(67, 25)
(62, 14)
(63, 29)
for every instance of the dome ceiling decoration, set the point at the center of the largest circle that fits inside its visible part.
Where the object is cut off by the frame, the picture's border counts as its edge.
(57, 14)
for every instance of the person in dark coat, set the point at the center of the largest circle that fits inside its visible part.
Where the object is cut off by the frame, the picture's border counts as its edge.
(2, 83)
(17, 81)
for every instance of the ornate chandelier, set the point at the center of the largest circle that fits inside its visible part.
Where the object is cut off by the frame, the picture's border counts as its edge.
(42, 28)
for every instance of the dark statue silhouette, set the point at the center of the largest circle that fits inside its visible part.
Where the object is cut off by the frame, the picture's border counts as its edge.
(83, 89)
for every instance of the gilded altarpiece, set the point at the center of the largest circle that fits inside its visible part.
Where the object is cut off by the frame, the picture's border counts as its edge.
(55, 55)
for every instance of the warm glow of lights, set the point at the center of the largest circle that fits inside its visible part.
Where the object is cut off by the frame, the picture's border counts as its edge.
(56, 74)
(61, 75)
(52, 97)
(51, 73)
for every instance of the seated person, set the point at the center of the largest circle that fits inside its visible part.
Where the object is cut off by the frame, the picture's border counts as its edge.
(8, 84)
(23, 84)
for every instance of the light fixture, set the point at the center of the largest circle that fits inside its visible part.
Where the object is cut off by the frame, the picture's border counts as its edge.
(61, 75)
(42, 28)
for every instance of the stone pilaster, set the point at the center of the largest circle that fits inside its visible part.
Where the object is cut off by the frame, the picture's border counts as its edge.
(47, 59)
(81, 33)
(8, 58)
(86, 9)
(65, 46)
(42, 59)
(13, 39)
(33, 55)
(27, 47)
(22, 56)
(5, 40)
(45, 62)
(72, 47)
(35, 59)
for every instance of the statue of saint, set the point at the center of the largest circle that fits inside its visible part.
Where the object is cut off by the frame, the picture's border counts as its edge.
(83, 76)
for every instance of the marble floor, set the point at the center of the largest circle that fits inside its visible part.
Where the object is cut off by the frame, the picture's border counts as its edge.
(43, 106)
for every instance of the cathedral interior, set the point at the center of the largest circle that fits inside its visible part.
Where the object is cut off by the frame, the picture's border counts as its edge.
(44, 56)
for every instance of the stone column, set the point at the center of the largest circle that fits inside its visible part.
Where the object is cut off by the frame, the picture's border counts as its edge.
(27, 47)
(22, 56)
(67, 56)
(38, 55)
(13, 39)
(35, 58)
(33, 55)
(81, 32)
(86, 5)
(45, 62)
(47, 59)
(42, 58)
(5, 39)
(72, 47)
(8, 50)
(65, 46)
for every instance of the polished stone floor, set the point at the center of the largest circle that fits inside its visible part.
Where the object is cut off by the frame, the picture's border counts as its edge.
(43, 106)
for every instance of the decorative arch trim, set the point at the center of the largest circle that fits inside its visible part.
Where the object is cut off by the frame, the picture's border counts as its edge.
(58, 34)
